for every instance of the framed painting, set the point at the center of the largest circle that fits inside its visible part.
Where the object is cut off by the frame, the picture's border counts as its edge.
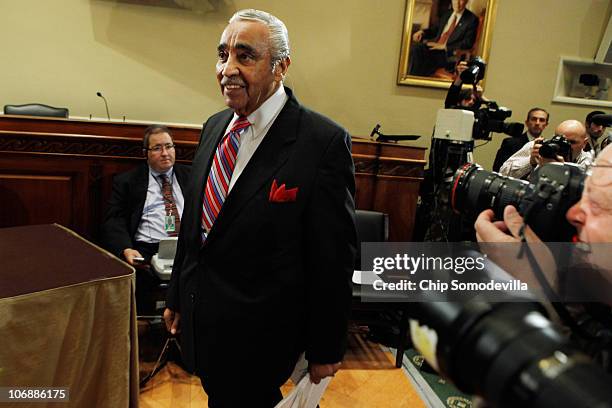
(438, 34)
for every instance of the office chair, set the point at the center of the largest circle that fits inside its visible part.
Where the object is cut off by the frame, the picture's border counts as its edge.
(373, 226)
(36, 109)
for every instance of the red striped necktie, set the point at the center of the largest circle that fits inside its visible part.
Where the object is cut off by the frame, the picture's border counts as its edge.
(220, 175)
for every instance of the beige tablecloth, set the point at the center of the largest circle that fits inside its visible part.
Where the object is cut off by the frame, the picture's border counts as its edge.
(67, 318)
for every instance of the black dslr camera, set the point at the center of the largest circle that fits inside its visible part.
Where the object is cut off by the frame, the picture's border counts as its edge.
(557, 146)
(474, 72)
(543, 203)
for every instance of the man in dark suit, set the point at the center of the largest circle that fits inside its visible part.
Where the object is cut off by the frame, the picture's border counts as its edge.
(457, 30)
(138, 215)
(537, 120)
(267, 244)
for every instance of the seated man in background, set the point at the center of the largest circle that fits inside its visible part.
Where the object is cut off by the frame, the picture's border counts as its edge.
(147, 202)
(457, 30)
(595, 141)
(522, 163)
(537, 120)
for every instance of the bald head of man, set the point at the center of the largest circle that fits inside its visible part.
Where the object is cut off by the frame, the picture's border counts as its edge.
(575, 133)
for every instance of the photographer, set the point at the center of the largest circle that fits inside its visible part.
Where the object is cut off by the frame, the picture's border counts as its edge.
(592, 217)
(458, 98)
(522, 163)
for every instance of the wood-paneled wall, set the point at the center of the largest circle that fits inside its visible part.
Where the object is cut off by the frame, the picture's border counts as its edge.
(60, 170)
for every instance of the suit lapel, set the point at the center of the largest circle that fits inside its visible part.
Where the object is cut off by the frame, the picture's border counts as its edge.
(271, 154)
(138, 188)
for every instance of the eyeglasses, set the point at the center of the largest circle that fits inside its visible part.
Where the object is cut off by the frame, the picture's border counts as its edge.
(159, 148)
(600, 174)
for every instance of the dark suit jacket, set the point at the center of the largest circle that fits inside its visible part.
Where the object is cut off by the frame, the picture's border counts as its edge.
(464, 35)
(126, 204)
(273, 277)
(509, 146)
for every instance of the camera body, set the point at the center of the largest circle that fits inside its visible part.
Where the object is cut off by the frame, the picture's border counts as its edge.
(474, 72)
(558, 145)
(543, 203)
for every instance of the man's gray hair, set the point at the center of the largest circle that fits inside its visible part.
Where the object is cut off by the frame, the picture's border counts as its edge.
(279, 37)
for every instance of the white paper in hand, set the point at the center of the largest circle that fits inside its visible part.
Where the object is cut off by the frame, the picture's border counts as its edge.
(306, 394)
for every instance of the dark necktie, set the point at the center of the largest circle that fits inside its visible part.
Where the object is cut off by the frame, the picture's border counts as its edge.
(170, 205)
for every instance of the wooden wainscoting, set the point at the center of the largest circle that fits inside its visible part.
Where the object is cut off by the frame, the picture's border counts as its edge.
(60, 170)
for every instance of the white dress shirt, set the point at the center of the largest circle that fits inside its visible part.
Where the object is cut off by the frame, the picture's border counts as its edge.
(261, 120)
(152, 223)
(519, 165)
(454, 17)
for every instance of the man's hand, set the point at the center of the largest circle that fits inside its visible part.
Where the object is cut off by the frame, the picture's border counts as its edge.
(510, 257)
(461, 66)
(129, 254)
(507, 230)
(418, 36)
(534, 159)
(436, 46)
(173, 320)
(320, 371)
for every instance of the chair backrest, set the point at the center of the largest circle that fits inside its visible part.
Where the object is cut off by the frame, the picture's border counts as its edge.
(35, 109)
(372, 226)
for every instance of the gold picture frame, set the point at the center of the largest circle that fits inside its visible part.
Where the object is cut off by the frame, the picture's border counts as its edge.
(430, 15)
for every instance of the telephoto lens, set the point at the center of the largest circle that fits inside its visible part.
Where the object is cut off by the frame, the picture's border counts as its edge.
(508, 353)
(543, 203)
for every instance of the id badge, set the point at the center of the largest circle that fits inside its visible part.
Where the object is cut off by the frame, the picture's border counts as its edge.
(169, 223)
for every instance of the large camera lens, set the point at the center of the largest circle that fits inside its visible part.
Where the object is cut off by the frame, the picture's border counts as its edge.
(474, 190)
(543, 204)
(510, 354)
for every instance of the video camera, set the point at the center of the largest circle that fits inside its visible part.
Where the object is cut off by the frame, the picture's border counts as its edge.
(543, 203)
(489, 117)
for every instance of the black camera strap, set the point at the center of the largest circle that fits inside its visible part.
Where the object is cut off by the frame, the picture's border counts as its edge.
(551, 295)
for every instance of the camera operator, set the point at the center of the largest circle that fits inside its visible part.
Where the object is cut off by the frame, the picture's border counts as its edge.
(592, 217)
(523, 162)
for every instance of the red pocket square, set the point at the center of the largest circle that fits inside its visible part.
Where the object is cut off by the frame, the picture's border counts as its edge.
(281, 194)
